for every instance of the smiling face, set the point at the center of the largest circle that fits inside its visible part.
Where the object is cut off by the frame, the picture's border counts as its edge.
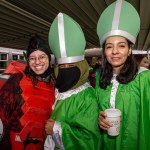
(38, 62)
(117, 50)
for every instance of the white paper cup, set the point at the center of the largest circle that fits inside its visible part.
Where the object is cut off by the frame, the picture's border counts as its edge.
(114, 118)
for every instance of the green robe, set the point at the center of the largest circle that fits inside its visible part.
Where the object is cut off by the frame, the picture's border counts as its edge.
(78, 115)
(133, 99)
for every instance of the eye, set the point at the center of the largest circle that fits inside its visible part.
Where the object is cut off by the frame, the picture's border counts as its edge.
(108, 46)
(42, 57)
(32, 59)
(122, 46)
(146, 62)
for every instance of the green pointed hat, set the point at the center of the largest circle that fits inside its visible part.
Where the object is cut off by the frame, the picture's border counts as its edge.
(66, 39)
(120, 18)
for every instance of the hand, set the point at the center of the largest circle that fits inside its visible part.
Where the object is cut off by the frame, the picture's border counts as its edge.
(103, 123)
(49, 126)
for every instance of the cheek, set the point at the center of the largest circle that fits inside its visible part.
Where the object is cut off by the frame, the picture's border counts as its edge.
(125, 55)
(108, 55)
(46, 65)
(31, 66)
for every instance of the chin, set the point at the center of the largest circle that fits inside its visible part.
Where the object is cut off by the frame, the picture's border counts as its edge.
(38, 73)
(116, 65)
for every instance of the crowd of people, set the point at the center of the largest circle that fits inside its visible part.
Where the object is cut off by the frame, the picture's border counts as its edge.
(63, 108)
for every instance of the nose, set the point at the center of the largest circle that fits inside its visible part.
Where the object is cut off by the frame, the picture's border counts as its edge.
(37, 61)
(115, 50)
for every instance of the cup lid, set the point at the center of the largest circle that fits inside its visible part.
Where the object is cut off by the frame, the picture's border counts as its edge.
(112, 112)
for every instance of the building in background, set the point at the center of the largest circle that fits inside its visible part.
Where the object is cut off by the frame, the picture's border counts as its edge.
(7, 55)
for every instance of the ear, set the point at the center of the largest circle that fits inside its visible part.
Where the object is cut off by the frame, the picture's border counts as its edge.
(130, 50)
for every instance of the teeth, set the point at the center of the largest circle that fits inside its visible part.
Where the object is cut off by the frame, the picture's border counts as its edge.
(38, 67)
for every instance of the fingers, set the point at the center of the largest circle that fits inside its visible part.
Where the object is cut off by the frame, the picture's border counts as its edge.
(102, 113)
(103, 123)
(49, 120)
(48, 129)
(49, 126)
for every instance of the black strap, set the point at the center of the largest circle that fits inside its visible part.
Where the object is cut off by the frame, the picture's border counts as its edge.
(28, 141)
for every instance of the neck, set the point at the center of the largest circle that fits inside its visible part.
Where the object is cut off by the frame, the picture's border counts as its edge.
(116, 70)
(46, 79)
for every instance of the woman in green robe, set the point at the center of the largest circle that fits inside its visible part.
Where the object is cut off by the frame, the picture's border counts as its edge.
(122, 84)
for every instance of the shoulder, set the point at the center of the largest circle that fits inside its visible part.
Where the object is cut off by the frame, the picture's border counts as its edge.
(89, 95)
(89, 91)
(15, 67)
(13, 80)
(143, 72)
(16, 76)
(141, 69)
(143, 76)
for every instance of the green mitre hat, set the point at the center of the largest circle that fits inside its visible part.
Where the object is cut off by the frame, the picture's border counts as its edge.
(119, 19)
(66, 39)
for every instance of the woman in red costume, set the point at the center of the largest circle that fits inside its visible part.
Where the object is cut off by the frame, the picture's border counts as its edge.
(26, 100)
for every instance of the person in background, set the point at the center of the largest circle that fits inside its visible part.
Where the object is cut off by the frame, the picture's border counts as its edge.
(74, 121)
(26, 100)
(98, 64)
(142, 60)
(92, 73)
(122, 84)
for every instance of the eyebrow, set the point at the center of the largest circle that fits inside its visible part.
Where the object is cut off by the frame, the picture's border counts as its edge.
(117, 43)
(38, 56)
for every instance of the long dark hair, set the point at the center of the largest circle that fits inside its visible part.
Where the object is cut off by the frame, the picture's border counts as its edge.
(127, 73)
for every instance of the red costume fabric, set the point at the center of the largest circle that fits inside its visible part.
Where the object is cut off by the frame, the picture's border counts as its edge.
(28, 108)
(36, 108)
(14, 67)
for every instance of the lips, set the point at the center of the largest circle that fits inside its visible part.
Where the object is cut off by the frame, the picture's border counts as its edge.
(115, 58)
